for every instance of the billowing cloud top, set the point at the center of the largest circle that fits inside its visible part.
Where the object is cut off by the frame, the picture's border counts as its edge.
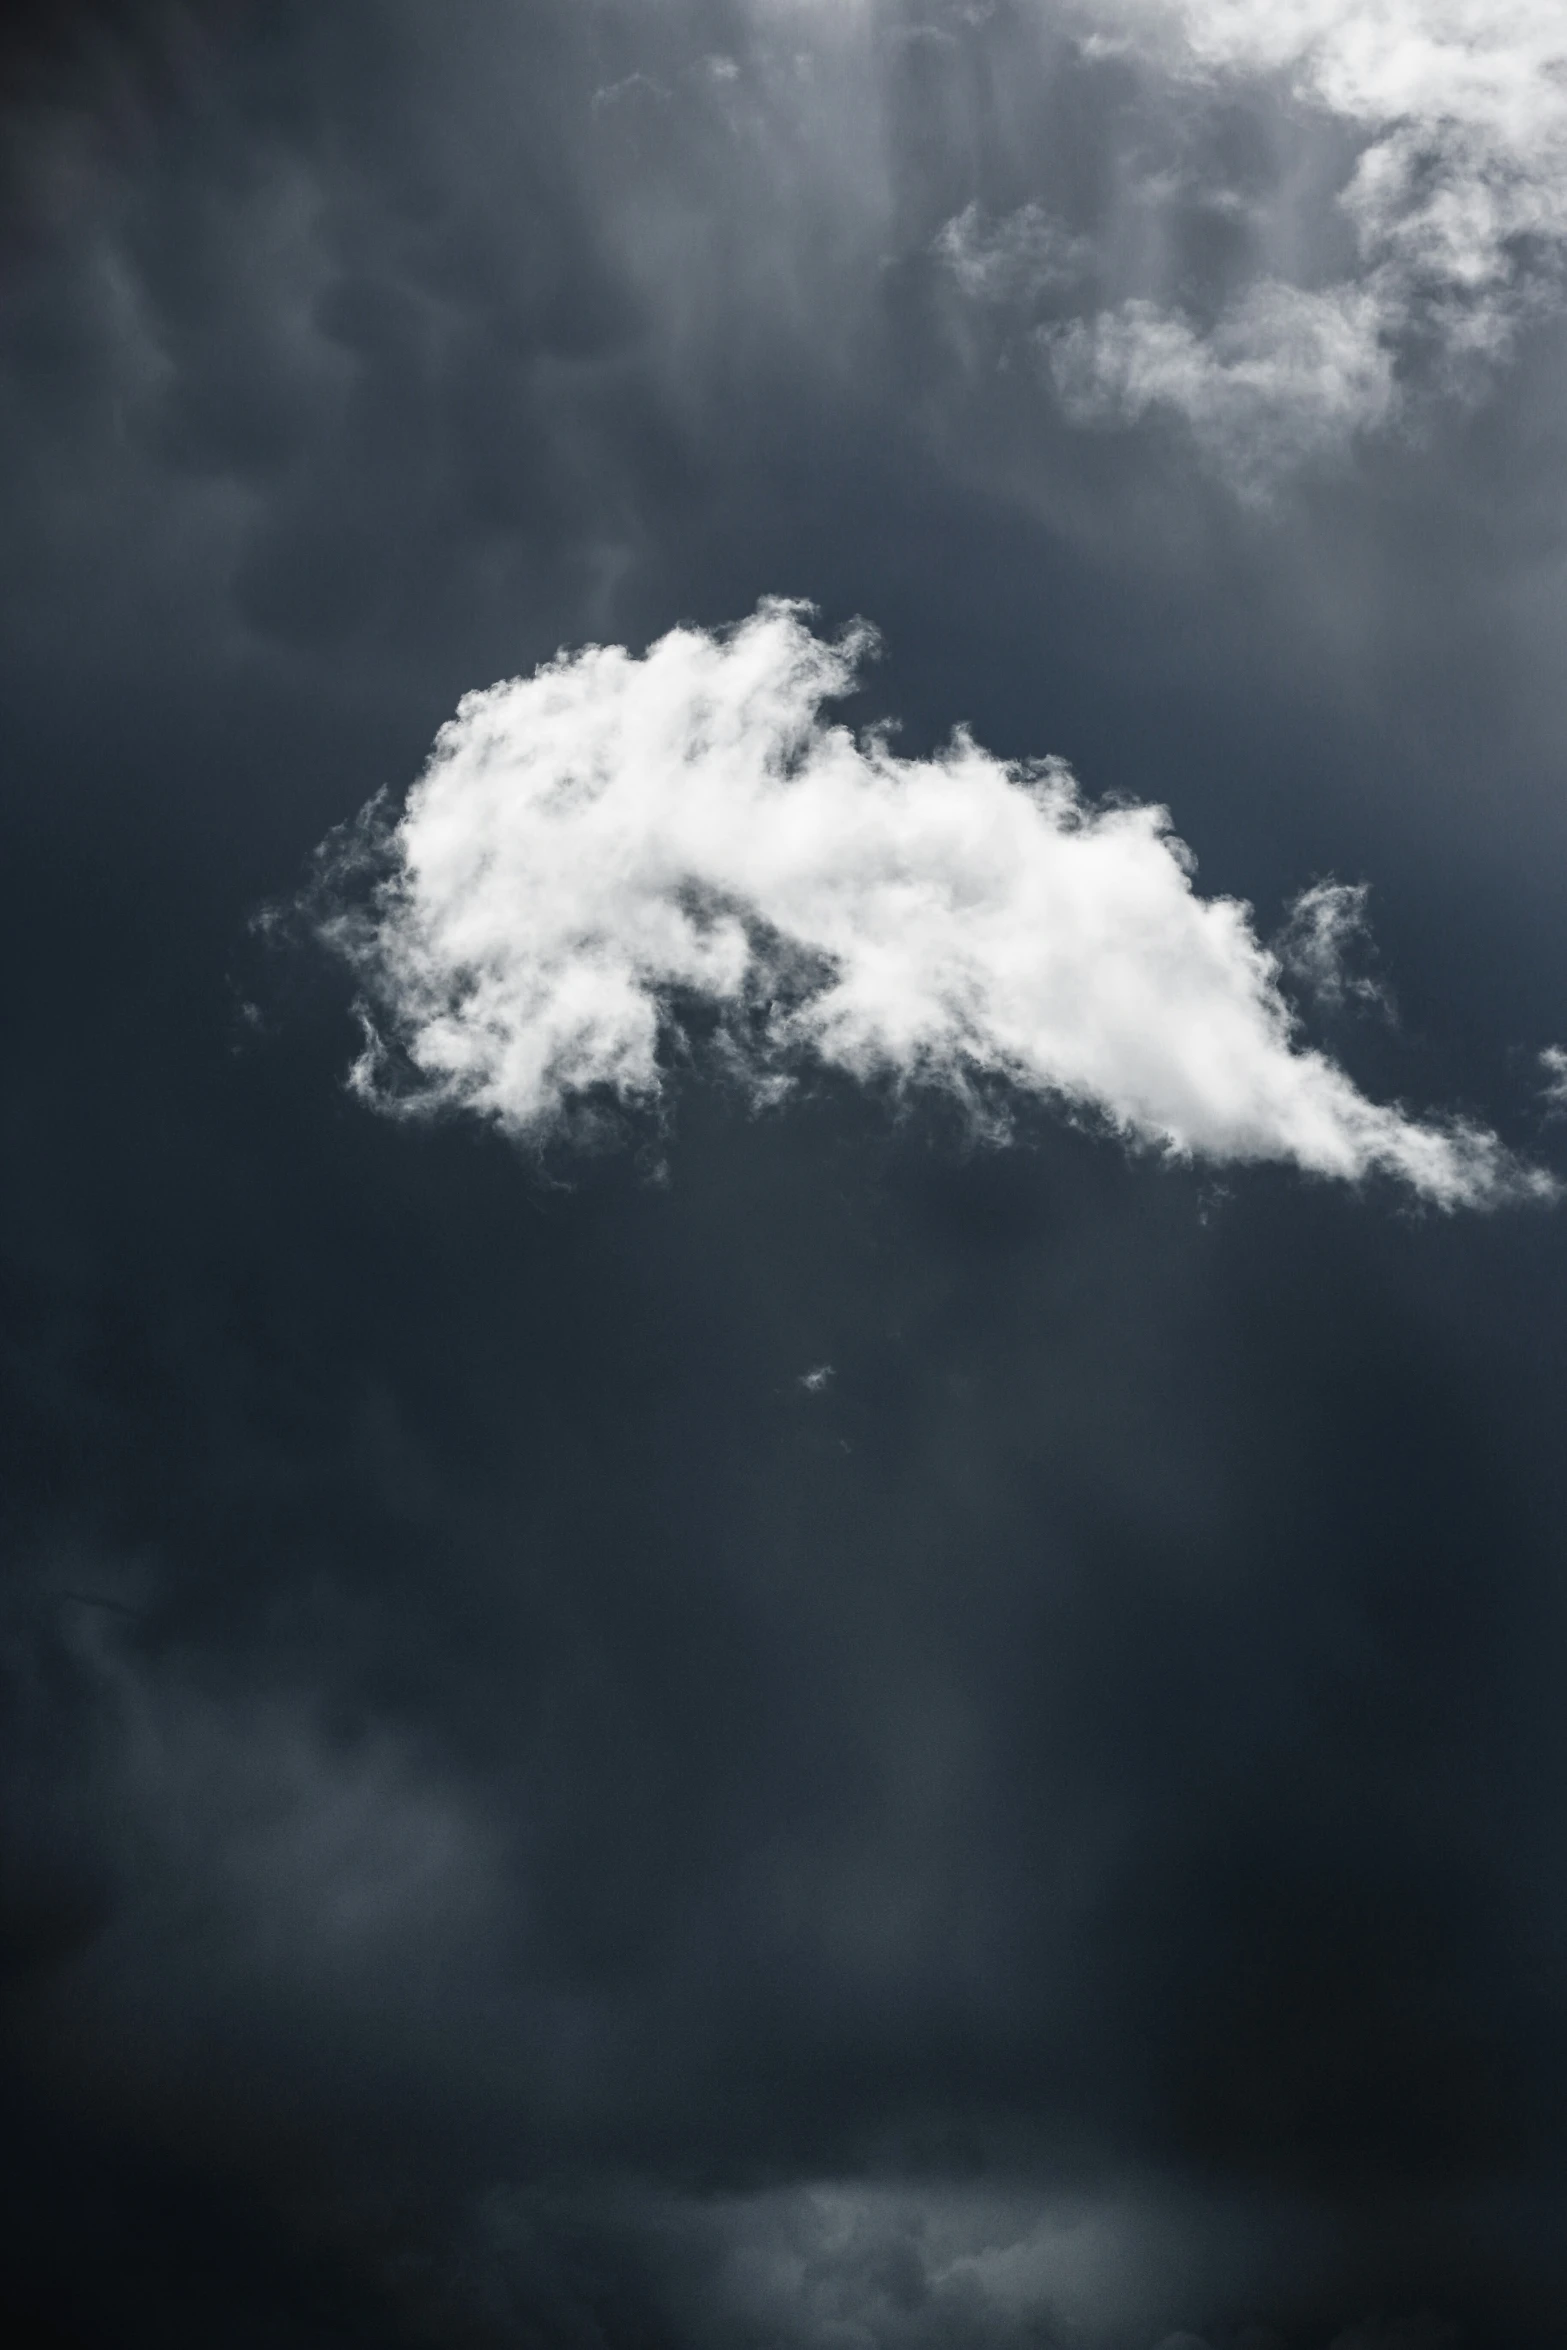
(599, 851)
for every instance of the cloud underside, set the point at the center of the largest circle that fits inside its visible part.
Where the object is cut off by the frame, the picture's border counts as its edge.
(618, 856)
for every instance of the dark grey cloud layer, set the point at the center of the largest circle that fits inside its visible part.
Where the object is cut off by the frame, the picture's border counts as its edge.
(529, 1815)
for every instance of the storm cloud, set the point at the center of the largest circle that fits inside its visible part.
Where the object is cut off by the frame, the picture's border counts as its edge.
(836, 1617)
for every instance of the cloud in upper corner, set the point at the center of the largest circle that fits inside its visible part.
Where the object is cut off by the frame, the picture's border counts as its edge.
(616, 852)
(988, 2265)
(1455, 206)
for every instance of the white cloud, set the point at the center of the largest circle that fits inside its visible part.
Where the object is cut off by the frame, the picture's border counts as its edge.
(1327, 929)
(1457, 203)
(1553, 1060)
(1490, 64)
(1283, 376)
(1466, 104)
(601, 852)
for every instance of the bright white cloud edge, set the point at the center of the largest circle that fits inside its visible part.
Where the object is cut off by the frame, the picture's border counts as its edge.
(599, 852)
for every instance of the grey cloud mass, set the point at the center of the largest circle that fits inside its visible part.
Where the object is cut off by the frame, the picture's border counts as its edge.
(1453, 127)
(899, 1686)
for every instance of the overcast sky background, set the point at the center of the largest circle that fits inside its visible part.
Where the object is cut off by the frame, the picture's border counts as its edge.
(784, 1507)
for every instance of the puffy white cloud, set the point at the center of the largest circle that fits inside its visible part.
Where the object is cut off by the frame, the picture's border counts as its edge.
(1465, 102)
(1491, 65)
(601, 853)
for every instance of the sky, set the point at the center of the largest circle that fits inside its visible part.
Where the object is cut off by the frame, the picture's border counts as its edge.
(782, 1223)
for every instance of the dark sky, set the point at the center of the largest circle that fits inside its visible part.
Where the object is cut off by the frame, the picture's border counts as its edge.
(883, 1696)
